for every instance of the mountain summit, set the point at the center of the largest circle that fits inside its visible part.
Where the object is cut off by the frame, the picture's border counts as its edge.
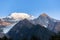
(21, 16)
(43, 15)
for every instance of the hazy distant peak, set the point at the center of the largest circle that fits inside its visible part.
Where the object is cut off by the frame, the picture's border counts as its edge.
(44, 15)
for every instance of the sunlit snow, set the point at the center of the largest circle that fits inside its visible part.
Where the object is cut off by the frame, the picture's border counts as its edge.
(21, 16)
(7, 29)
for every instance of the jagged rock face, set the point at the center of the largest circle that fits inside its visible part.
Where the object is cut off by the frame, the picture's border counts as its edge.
(25, 30)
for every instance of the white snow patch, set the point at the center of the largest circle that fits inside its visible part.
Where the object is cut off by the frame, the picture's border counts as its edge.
(45, 26)
(8, 28)
(20, 16)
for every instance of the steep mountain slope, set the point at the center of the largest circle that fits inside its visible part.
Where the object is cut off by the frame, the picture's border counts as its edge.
(43, 20)
(6, 23)
(24, 30)
(47, 22)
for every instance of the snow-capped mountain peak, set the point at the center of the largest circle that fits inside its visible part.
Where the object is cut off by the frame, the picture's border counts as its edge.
(21, 16)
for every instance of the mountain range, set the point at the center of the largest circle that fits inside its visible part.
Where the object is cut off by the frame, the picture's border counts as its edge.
(25, 30)
(22, 25)
(44, 20)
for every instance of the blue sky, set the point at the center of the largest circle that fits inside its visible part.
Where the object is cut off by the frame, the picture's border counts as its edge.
(33, 7)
